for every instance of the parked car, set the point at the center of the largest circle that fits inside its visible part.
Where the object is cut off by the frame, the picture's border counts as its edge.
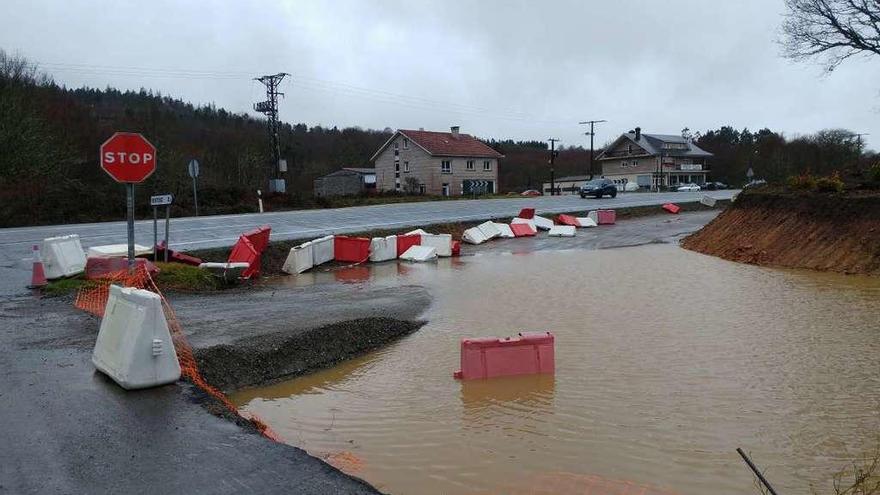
(688, 187)
(598, 188)
(712, 186)
(530, 192)
(755, 183)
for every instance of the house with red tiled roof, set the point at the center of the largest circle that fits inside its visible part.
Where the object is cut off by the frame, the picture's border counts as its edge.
(441, 163)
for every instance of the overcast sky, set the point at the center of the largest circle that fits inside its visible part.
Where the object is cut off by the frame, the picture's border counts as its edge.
(524, 70)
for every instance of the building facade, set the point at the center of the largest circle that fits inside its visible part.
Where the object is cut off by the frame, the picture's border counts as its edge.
(438, 163)
(654, 160)
(346, 182)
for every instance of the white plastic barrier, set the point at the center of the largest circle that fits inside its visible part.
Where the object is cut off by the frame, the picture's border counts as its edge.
(322, 250)
(474, 235)
(419, 253)
(299, 259)
(226, 271)
(117, 251)
(383, 248)
(543, 223)
(506, 233)
(442, 243)
(594, 216)
(489, 230)
(708, 201)
(586, 222)
(134, 347)
(562, 231)
(529, 221)
(416, 232)
(63, 256)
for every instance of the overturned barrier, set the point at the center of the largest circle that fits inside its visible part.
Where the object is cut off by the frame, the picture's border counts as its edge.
(474, 235)
(523, 230)
(527, 213)
(116, 251)
(322, 250)
(506, 233)
(603, 217)
(671, 207)
(244, 252)
(442, 243)
(351, 249)
(175, 256)
(543, 223)
(709, 201)
(259, 237)
(419, 253)
(228, 272)
(63, 256)
(134, 346)
(489, 357)
(568, 220)
(407, 241)
(562, 231)
(383, 248)
(490, 230)
(299, 259)
(586, 222)
(526, 221)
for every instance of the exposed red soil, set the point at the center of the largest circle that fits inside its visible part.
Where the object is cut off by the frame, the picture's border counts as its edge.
(839, 233)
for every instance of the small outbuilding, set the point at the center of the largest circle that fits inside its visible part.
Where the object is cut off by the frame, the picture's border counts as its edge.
(346, 182)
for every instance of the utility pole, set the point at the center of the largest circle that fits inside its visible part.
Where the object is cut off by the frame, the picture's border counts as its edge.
(858, 136)
(270, 109)
(553, 154)
(592, 133)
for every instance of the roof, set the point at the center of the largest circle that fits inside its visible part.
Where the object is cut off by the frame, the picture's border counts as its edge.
(653, 145)
(444, 144)
(365, 171)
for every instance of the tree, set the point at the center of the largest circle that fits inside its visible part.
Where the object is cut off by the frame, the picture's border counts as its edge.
(832, 30)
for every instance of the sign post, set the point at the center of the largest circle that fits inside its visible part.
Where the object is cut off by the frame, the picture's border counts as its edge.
(157, 201)
(193, 169)
(128, 158)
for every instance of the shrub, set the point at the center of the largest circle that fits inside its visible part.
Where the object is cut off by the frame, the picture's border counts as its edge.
(802, 182)
(829, 184)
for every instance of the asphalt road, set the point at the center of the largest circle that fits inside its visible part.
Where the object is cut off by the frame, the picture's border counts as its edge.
(223, 230)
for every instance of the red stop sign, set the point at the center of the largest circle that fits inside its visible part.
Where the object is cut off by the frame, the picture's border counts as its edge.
(128, 157)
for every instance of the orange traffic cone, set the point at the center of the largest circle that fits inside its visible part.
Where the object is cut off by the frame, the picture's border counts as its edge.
(38, 278)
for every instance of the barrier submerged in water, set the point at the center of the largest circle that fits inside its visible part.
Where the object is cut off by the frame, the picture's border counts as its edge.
(489, 357)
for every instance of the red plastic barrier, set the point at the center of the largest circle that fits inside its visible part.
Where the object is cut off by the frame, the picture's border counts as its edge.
(405, 242)
(527, 213)
(606, 217)
(567, 220)
(456, 248)
(244, 252)
(98, 267)
(351, 249)
(259, 237)
(522, 230)
(489, 357)
(176, 256)
(671, 207)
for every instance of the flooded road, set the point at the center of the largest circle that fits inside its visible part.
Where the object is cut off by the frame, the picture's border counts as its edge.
(666, 361)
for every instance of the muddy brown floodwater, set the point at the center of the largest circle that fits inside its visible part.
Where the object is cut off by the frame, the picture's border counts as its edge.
(666, 361)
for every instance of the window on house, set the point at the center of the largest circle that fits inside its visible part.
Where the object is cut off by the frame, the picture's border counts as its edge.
(635, 163)
(470, 164)
(405, 143)
(422, 189)
(396, 152)
(487, 165)
(405, 166)
(446, 167)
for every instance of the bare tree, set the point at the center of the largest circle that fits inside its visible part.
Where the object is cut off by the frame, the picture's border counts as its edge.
(831, 30)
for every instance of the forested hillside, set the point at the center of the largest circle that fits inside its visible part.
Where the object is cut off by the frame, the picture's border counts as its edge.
(50, 135)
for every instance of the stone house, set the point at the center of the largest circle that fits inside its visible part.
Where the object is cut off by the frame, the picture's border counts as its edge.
(637, 157)
(439, 163)
(345, 182)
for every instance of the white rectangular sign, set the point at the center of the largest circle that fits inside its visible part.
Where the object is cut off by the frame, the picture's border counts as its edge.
(691, 166)
(161, 200)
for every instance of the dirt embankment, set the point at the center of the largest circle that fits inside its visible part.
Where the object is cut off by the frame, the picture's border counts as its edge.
(839, 233)
(272, 357)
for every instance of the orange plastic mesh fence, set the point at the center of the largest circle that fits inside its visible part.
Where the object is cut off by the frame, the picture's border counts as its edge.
(92, 298)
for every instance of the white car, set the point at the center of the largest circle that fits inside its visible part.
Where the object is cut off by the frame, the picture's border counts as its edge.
(688, 187)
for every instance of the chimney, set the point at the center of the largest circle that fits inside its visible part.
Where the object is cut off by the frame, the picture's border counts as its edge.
(638, 133)
(454, 130)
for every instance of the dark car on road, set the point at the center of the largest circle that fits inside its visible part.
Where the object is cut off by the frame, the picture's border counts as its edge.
(598, 188)
(713, 186)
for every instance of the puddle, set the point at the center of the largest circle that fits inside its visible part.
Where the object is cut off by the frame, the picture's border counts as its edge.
(666, 361)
